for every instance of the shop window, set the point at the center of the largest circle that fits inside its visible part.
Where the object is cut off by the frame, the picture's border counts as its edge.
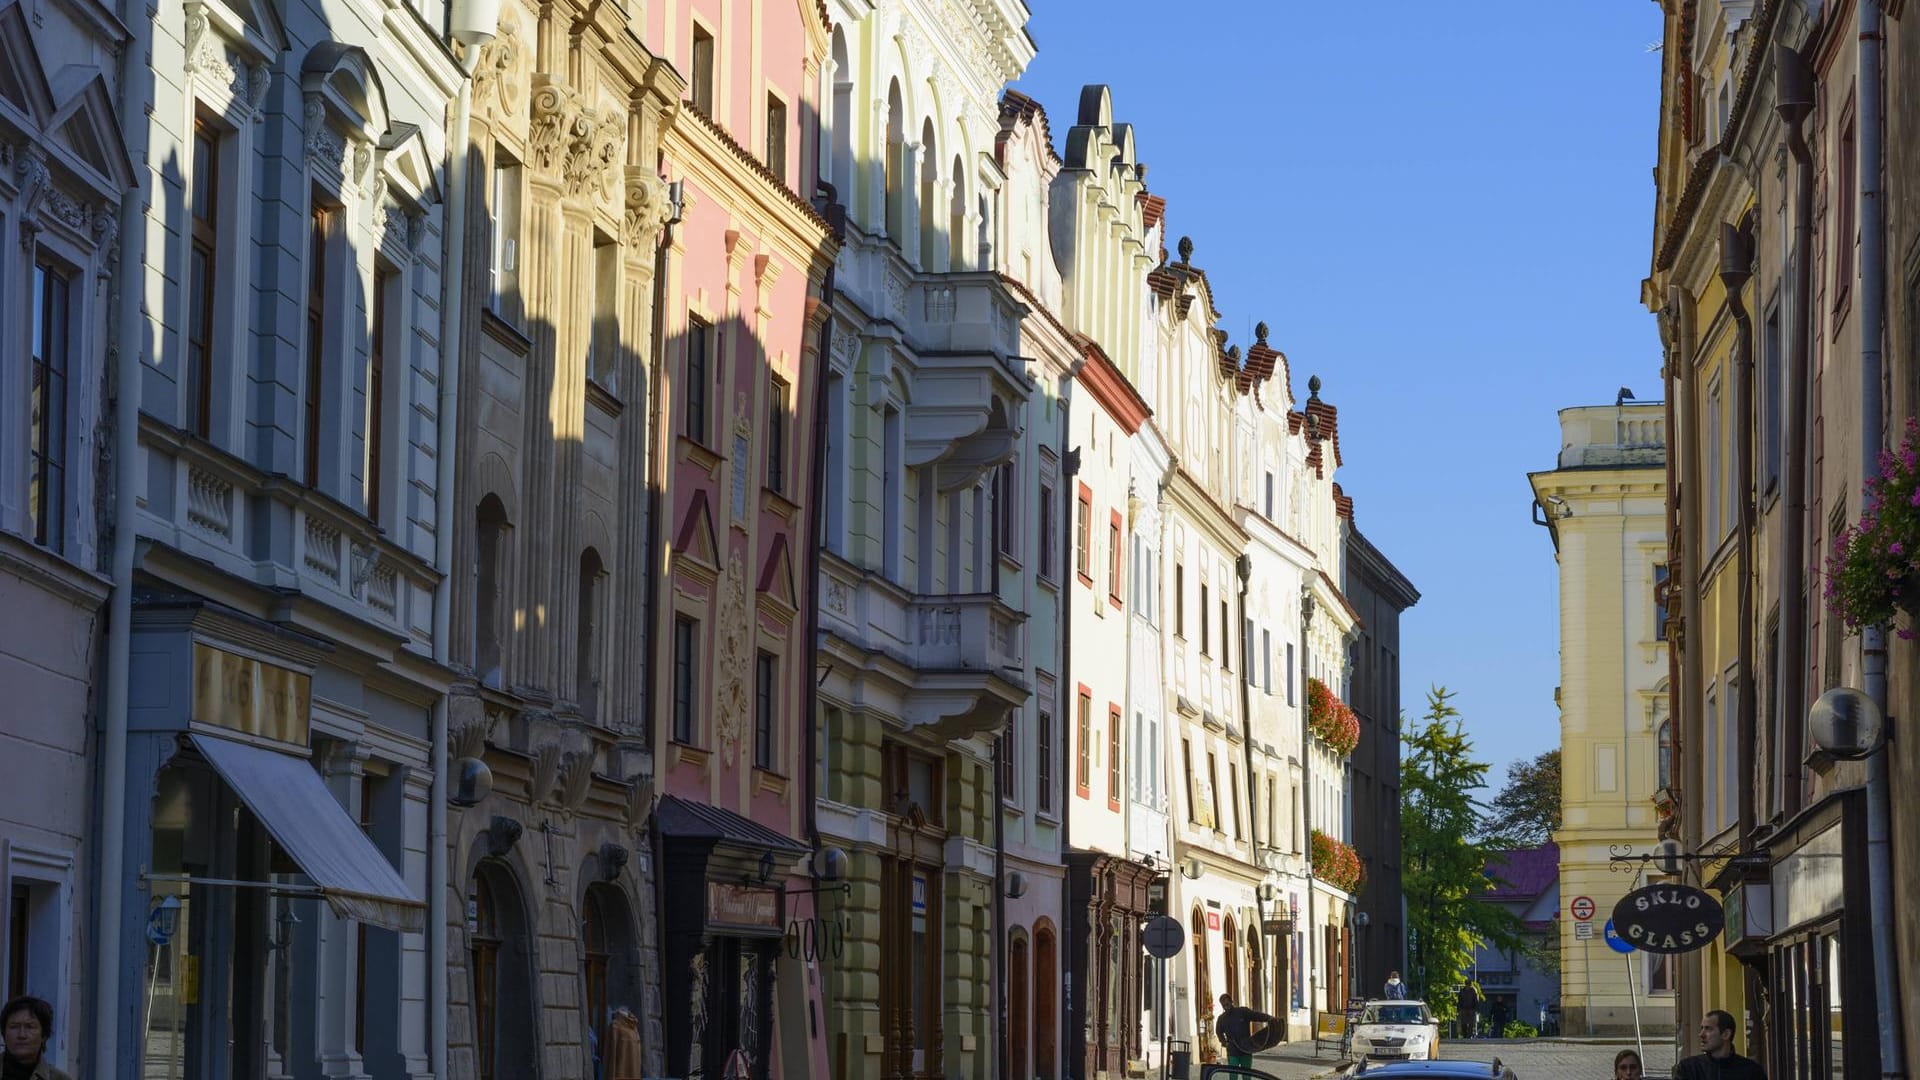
(1203, 998)
(52, 355)
(608, 940)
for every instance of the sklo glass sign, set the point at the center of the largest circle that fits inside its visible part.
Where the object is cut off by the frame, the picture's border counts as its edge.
(1669, 919)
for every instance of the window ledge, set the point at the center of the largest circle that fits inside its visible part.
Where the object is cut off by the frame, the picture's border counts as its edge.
(697, 453)
(686, 753)
(505, 332)
(781, 506)
(770, 781)
(604, 399)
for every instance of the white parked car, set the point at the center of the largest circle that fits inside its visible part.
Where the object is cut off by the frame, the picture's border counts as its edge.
(1396, 1031)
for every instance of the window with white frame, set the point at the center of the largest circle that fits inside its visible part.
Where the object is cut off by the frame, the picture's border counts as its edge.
(503, 268)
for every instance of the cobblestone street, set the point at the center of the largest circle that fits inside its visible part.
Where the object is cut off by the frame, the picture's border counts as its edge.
(1530, 1059)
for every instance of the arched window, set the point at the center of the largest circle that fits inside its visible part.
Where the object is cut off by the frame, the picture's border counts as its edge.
(1017, 1005)
(839, 156)
(957, 256)
(587, 669)
(896, 163)
(489, 601)
(1046, 980)
(929, 235)
(1202, 985)
(502, 984)
(607, 937)
(1230, 946)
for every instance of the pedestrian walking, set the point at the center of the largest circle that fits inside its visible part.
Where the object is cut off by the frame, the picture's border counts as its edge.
(1468, 1002)
(28, 1024)
(1627, 1066)
(1235, 1028)
(1717, 1060)
(1395, 990)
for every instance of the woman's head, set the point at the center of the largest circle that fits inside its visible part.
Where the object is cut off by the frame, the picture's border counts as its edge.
(27, 1023)
(1626, 1066)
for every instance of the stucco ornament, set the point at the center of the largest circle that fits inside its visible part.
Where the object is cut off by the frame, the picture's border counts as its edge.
(734, 654)
(34, 183)
(580, 168)
(495, 71)
(647, 207)
(554, 111)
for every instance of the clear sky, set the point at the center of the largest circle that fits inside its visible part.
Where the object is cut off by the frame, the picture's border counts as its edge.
(1444, 211)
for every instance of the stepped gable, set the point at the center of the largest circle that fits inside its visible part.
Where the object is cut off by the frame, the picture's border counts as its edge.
(1326, 424)
(1017, 108)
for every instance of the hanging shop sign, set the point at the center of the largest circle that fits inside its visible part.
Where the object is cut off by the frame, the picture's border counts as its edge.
(250, 696)
(739, 905)
(1668, 919)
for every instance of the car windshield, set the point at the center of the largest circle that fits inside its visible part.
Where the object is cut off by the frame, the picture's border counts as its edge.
(1395, 1014)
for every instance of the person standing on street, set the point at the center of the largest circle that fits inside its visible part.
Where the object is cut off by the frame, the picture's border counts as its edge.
(1626, 1066)
(1717, 1061)
(1235, 1028)
(1468, 1002)
(28, 1024)
(1395, 990)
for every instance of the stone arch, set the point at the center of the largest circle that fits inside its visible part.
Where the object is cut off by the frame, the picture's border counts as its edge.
(926, 196)
(842, 93)
(893, 157)
(1096, 106)
(501, 960)
(1046, 981)
(494, 476)
(610, 951)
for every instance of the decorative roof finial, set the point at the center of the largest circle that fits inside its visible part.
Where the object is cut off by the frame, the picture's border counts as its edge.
(1186, 249)
(1260, 333)
(1233, 354)
(1313, 388)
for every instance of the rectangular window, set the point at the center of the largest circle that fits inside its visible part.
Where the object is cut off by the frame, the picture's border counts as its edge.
(1269, 503)
(766, 672)
(693, 399)
(1083, 744)
(778, 404)
(1273, 820)
(1246, 652)
(1290, 673)
(319, 226)
(1729, 760)
(1083, 535)
(777, 138)
(1205, 641)
(47, 405)
(1709, 763)
(1179, 600)
(1213, 785)
(603, 347)
(1843, 234)
(1266, 660)
(1660, 597)
(1005, 535)
(1049, 532)
(1233, 791)
(203, 264)
(504, 270)
(701, 86)
(1186, 759)
(686, 676)
(1043, 762)
(1114, 548)
(1009, 772)
(1113, 757)
(384, 280)
(1772, 388)
(1711, 465)
(1226, 639)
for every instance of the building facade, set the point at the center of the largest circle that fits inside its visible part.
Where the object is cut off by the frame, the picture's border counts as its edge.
(285, 658)
(924, 649)
(1604, 503)
(1381, 594)
(64, 171)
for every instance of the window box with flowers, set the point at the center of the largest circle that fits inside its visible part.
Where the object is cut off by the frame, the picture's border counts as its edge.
(1336, 863)
(1331, 719)
(1874, 573)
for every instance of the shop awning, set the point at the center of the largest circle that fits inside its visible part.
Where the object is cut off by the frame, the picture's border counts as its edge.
(305, 819)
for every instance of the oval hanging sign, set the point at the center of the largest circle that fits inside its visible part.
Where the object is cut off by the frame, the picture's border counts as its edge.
(1669, 919)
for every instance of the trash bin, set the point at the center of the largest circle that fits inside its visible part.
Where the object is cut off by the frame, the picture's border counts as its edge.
(1179, 1056)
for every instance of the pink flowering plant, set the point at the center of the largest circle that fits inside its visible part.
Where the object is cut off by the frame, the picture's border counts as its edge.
(1874, 571)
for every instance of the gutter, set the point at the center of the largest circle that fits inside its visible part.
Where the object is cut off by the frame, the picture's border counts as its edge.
(1736, 268)
(129, 341)
(1244, 566)
(1794, 78)
(1306, 798)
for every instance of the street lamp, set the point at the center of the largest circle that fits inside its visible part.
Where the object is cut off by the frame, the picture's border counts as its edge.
(1846, 724)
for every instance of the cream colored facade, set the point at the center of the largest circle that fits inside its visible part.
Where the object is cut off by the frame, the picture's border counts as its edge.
(1605, 503)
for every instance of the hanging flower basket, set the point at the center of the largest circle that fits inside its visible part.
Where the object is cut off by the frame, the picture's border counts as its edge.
(1874, 571)
(1336, 863)
(1331, 719)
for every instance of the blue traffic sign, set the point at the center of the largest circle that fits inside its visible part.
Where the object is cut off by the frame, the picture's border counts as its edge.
(1616, 942)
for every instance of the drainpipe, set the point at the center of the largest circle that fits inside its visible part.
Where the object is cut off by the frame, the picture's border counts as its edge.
(1069, 469)
(1736, 268)
(1794, 80)
(1306, 797)
(1244, 565)
(1000, 912)
(129, 340)
(1873, 641)
(836, 215)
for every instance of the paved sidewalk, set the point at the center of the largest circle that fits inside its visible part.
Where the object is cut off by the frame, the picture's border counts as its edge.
(1530, 1059)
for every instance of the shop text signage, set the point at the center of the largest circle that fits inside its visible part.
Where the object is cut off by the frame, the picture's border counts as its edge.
(250, 696)
(738, 905)
(1668, 919)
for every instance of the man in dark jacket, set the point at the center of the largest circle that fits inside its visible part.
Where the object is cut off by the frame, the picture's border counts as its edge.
(1235, 1028)
(1468, 1002)
(1717, 1061)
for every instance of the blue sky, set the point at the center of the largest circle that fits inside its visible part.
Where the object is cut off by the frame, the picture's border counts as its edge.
(1444, 211)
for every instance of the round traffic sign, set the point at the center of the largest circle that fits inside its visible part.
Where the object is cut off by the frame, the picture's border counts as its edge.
(1583, 908)
(1616, 942)
(1164, 937)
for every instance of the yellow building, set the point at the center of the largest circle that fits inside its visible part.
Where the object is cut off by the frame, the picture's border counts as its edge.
(1605, 504)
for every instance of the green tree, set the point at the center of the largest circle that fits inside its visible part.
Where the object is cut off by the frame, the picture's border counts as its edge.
(1527, 810)
(1444, 856)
